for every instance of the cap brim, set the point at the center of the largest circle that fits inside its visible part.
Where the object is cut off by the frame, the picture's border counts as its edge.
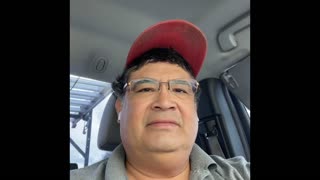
(184, 37)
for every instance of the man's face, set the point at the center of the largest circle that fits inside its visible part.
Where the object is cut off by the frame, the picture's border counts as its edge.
(161, 122)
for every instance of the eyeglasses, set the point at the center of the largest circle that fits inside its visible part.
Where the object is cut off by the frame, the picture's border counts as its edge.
(180, 87)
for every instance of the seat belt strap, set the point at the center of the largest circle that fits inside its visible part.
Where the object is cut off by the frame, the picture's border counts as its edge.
(215, 145)
(209, 131)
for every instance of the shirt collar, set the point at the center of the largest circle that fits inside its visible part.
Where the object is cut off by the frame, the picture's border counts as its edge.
(201, 162)
(116, 164)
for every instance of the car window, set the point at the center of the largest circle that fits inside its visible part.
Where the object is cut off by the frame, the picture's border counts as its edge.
(248, 111)
(80, 134)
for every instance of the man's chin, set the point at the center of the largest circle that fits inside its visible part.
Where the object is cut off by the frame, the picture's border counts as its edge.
(166, 147)
(162, 149)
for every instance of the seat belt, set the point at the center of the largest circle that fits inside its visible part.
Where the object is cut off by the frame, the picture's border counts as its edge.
(209, 133)
(215, 146)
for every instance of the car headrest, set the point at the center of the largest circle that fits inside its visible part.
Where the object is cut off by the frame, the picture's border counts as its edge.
(109, 130)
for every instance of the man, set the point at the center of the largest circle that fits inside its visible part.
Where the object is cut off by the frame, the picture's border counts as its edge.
(157, 111)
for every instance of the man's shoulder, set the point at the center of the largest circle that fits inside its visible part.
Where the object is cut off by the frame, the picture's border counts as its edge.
(236, 165)
(94, 171)
(234, 161)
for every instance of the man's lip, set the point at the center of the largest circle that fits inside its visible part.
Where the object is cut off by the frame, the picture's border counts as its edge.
(163, 122)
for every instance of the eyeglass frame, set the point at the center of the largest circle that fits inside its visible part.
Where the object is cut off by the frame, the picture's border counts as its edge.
(196, 83)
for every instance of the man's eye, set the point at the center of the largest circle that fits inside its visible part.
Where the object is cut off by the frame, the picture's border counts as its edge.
(178, 90)
(145, 90)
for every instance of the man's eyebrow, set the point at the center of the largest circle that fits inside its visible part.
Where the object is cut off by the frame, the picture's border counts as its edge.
(142, 78)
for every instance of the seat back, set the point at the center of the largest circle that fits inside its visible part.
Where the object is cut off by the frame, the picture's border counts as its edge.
(109, 130)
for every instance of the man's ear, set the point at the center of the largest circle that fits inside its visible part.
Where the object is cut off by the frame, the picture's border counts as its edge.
(118, 105)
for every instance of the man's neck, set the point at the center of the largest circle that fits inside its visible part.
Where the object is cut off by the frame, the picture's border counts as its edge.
(171, 166)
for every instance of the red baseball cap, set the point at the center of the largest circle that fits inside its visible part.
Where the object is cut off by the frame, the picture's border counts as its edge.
(182, 36)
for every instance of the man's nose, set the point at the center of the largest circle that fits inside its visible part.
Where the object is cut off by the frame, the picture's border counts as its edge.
(164, 99)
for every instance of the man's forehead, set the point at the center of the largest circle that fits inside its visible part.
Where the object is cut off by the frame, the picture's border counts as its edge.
(160, 69)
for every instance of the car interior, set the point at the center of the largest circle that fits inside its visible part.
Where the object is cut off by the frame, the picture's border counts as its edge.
(101, 33)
